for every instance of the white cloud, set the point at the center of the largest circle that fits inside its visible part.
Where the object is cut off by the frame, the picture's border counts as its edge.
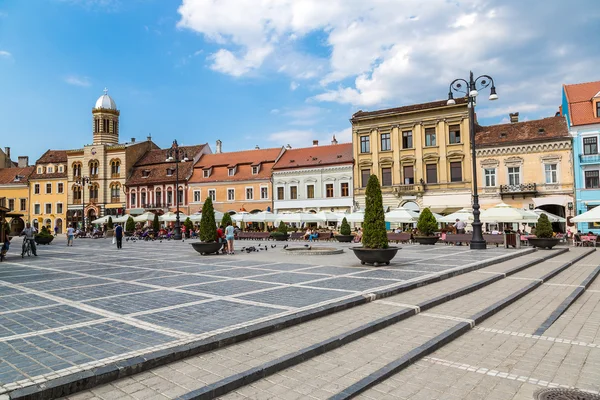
(305, 115)
(74, 80)
(5, 54)
(294, 85)
(304, 138)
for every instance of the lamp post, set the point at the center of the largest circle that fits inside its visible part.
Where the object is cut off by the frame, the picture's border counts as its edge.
(81, 182)
(471, 90)
(176, 155)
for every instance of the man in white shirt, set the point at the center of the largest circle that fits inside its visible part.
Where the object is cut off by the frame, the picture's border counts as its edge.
(460, 228)
(29, 233)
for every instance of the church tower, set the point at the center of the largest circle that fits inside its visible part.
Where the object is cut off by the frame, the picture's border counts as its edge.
(105, 120)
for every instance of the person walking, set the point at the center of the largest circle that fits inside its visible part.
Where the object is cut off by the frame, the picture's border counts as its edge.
(460, 229)
(29, 233)
(229, 235)
(55, 230)
(70, 235)
(119, 236)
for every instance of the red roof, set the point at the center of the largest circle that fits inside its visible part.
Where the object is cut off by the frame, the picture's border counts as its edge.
(581, 107)
(540, 130)
(51, 157)
(8, 175)
(316, 156)
(219, 163)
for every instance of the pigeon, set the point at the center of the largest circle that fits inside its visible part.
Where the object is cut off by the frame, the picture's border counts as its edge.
(310, 247)
(243, 249)
(273, 246)
(305, 245)
(285, 247)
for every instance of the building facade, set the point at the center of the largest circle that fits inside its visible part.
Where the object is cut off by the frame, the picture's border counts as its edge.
(527, 165)
(581, 109)
(104, 166)
(420, 153)
(48, 190)
(14, 191)
(314, 179)
(151, 185)
(235, 181)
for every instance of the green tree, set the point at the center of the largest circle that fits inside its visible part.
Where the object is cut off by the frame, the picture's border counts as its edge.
(374, 232)
(427, 225)
(156, 224)
(345, 227)
(130, 225)
(226, 218)
(208, 226)
(283, 229)
(110, 223)
(189, 225)
(543, 228)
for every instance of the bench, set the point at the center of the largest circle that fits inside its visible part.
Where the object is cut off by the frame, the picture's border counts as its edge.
(325, 236)
(466, 238)
(254, 235)
(296, 236)
(403, 237)
(494, 239)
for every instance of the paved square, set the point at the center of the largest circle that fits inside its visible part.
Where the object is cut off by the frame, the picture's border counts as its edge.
(76, 308)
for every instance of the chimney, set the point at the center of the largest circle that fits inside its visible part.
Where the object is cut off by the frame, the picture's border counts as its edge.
(514, 117)
(7, 152)
(149, 138)
(132, 140)
(257, 148)
(334, 140)
(218, 148)
(288, 146)
(315, 142)
(23, 161)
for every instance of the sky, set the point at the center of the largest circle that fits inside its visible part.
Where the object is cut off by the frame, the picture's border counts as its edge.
(275, 72)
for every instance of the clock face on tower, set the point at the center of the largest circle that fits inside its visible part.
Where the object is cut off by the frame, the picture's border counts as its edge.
(93, 151)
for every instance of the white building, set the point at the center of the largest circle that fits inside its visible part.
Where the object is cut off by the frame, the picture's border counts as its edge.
(313, 179)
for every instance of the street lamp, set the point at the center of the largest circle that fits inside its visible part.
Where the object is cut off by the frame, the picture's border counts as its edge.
(471, 89)
(81, 181)
(176, 155)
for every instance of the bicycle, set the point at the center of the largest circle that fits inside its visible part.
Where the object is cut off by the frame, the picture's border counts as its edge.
(27, 249)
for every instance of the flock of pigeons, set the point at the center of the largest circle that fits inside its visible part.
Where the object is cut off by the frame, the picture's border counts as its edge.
(248, 249)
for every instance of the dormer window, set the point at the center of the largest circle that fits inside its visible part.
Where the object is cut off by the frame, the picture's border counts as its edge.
(598, 109)
(255, 169)
(169, 171)
(146, 173)
(206, 173)
(231, 171)
(39, 170)
(60, 168)
(50, 170)
(18, 178)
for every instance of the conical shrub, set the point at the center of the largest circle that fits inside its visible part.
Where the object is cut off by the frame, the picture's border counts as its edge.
(208, 226)
(226, 218)
(130, 225)
(427, 225)
(374, 232)
(110, 223)
(345, 228)
(543, 229)
(156, 223)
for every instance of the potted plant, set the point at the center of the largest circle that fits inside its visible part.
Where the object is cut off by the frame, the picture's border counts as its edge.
(110, 227)
(129, 226)
(156, 224)
(345, 235)
(427, 226)
(375, 249)
(208, 231)
(281, 233)
(226, 219)
(544, 234)
(188, 227)
(44, 236)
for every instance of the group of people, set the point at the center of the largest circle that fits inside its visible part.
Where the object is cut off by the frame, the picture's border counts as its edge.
(226, 237)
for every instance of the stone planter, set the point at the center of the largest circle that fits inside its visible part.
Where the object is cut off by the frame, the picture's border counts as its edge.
(205, 248)
(43, 239)
(344, 238)
(280, 238)
(428, 240)
(376, 257)
(542, 243)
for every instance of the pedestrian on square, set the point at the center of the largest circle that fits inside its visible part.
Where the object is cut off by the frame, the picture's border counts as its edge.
(460, 228)
(229, 235)
(119, 236)
(70, 235)
(55, 230)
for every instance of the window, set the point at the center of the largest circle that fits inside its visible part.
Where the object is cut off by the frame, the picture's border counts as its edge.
(280, 193)
(364, 144)
(310, 191)
(454, 134)
(551, 173)
(48, 208)
(489, 175)
(590, 145)
(169, 197)
(93, 168)
(206, 173)
(386, 143)
(364, 174)
(407, 140)
(264, 192)
(115, 193)
(196, 195)
(592, 179)
(60, 168)
(76, 169)
(254, 169)
(180, 196)
(409, 175)
(430, 137)
(329, 190)
(60, 187)
(598, 109)
(431, 173)
(23, 204)
(455, 172)
(231, 171)
(36, 209)
(158, 196)
(345, 189)
(212, 193)
(50, 170)
(386, 177)
(36, 188)
(39, 170)
(146, 174)
(143, 199)
(115, 168)
(59, 208)
(514, 175)
(77, 194)
(94, 192)
(48, 188)
(230, 194)
(293, 192)
(249, 193)
(11, 204)
(133, 200)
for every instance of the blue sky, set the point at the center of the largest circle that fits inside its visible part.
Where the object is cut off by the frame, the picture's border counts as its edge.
(269, 72)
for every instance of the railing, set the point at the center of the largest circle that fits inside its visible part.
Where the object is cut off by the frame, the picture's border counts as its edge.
(153, 205)
(115, 199)
(115, 175)
(589, 158)
(76, 201)
(516, 189)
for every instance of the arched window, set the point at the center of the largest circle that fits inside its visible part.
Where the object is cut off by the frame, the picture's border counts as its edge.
(180, 196)
(143, 198)
(169, 200)
(115, 168)
(133, 199)
(115, 192)
(76, 194)
(93, 165)
(94, 192)
(76, 169)
(158, 197)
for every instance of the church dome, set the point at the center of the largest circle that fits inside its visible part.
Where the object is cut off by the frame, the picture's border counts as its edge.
(106, 102)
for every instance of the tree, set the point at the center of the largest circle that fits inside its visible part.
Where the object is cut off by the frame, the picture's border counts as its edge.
(345, 228)
(427, 225)
(226, 218)
(189, 225)
(374, 232)
(543, 228)
(110, 224)
(129, 225)
(208, 226)
(156, 224)
(283, 229)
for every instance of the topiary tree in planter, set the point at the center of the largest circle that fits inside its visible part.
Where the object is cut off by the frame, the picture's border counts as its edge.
(427, 226)
(544, 227)
(188, 226)
(130, 225)
(345, 227)
(156, 224)
(44, 236)
(281, 233)
(283, 229)
(208, 226)
(226, 218)
(110, 224)
(374, 232)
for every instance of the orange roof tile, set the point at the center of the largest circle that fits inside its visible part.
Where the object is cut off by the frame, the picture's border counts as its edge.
(579, 97)
(540, 130)
(220, 163)
(8, 175)
(316, 156)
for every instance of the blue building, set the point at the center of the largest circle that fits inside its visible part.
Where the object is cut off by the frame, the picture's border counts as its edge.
(581, 108)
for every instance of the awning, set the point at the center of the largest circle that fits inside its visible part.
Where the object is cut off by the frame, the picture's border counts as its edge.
(114, 206)
(552, 200)
(439, 203)
(136, 211)
(445, 210)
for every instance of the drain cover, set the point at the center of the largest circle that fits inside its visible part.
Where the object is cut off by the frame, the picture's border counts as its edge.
(564, 394)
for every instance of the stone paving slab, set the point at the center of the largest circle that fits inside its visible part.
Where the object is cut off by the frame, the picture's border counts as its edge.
(581, 322)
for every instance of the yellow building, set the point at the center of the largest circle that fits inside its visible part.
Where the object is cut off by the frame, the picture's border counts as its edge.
(420, 153)
(526, 165)
(14, 191)
(48, 191)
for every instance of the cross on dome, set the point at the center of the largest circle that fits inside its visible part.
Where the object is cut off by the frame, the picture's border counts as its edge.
(105, 91)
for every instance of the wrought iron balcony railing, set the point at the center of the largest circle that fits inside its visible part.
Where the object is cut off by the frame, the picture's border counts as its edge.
(589, 158)
(522, 189)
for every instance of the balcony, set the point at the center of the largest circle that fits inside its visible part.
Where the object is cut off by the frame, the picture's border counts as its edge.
(154, 206)
(589, 159)
(524, 190)
(115, 199)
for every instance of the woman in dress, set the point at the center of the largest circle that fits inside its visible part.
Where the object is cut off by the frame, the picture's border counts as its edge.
(229, 235)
